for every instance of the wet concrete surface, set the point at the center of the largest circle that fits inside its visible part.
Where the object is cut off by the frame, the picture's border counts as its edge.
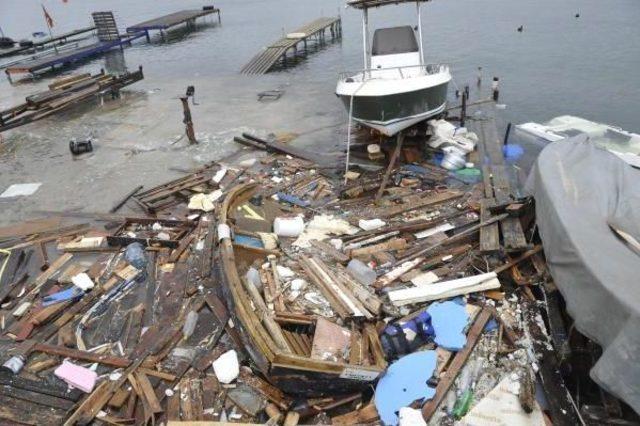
(138, 139)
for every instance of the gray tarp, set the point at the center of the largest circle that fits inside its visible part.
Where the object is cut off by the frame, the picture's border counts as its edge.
(580, 188)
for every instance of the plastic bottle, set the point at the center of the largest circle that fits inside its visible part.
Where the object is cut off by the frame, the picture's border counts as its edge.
(361, 272)
(14, 364)
(135, 256)
(190, 324)
(253, 276)
(463, 404)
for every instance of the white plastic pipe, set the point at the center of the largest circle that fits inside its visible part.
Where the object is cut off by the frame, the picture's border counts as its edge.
(420, 33)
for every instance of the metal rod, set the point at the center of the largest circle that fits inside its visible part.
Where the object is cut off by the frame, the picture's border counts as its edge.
(124, 200)
(365, 37)
(420, 33)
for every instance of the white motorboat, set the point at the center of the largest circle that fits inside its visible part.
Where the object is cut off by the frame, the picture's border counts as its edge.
(624, 144)
(396, 89)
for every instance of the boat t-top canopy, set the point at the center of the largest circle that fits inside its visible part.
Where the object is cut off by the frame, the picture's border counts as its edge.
(366, 4)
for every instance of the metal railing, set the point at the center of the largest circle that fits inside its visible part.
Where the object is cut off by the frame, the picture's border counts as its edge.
(387, 73)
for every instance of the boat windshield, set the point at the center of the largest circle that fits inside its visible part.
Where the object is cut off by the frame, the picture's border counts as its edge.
(606, 136)
(392, 41)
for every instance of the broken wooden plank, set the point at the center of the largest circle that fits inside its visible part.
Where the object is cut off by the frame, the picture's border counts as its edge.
(430, 199)
(429, 408)
(489, 235)
(392, 163)
(444, 289)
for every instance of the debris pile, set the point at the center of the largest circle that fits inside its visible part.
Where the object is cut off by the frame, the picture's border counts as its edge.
(268, 291)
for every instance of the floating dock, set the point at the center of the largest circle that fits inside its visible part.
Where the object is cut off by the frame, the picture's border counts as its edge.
(163, 23)
(32, 67)
(62, 38)
(269, 57)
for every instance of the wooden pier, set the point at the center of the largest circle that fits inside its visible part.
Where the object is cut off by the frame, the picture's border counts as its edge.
(163, 23)
(264, 61)
(498, 186)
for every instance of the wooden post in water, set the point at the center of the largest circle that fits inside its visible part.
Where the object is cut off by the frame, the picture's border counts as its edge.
(188, 123)
(463, 109)
(495, 89)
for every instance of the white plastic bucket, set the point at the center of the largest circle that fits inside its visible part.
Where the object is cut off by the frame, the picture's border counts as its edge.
(288, 226)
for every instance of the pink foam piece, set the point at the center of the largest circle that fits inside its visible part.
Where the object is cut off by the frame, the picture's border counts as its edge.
(77, 376)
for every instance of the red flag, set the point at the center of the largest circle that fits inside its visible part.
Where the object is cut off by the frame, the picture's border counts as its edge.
(47, 17)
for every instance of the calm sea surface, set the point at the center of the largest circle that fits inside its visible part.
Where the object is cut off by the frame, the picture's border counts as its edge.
(558, 65)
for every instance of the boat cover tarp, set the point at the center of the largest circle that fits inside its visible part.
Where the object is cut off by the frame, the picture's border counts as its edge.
(579, 190)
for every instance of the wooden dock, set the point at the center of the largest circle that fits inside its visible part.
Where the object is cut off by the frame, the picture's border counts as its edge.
(264, 61)
(165, 22)
(498, 186)
(60, 39)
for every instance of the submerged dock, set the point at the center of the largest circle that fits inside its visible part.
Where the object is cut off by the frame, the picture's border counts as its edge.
(32, 67)
(61, 38)
(165, 22)
(264, 61)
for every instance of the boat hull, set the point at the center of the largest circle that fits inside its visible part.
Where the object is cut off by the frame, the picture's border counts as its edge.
(391, 113)
(295, 374)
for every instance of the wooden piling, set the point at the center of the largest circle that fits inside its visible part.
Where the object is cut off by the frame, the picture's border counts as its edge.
(188, 122)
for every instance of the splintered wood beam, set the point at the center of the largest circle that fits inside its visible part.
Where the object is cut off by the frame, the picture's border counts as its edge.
(510, 264)
(428, 200)
(265, 316)
(489, 235)
(81, 355)
(392, 163)
(277, 287)
(430, 407)
(456, 237)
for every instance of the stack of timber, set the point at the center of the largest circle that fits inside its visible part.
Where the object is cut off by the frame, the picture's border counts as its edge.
(63, 93)
(263, 291)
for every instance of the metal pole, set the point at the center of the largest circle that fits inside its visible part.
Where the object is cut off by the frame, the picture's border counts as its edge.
(365, 37)
(49, 28)
(420, 32)
(51, 36)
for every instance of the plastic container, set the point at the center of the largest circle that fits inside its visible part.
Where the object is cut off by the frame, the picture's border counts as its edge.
(361, 272)
(469, 174)
(189, 324)
(134, 255)
(14, 364)
(454, 159)
(253, 276)
(512, 153)
(223, 231)
(288, 226)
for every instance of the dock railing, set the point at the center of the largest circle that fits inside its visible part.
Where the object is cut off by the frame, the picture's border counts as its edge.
(392, 73)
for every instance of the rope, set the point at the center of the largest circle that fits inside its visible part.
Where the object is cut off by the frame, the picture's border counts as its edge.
(346, 166)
